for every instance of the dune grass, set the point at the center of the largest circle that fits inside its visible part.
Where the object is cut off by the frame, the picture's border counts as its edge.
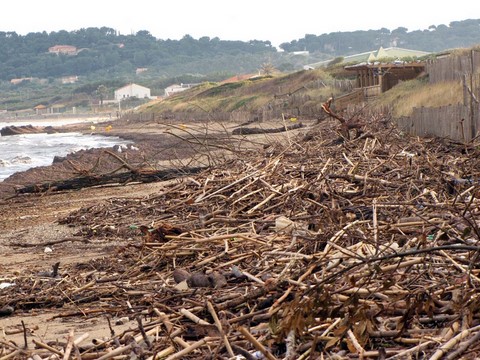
(249, 95)
(418, 92)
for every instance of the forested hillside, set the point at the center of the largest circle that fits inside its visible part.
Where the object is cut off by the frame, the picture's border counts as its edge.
(436, 38)
(103, 52)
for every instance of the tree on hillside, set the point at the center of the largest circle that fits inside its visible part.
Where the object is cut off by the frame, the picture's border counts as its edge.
(102, 92)
(267, 68)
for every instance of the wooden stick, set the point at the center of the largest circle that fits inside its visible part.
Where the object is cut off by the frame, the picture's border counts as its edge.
(460, 267)
(69, 347)
(212, 311)
(193, 317)
(289, 290)
(84, 287)
(406, 353)
(252, 277)
(211, 238)
(340, 233)
(464, 347)
(181, 342)
(47, 347)
(13, 355)
(261, 203)
(453, 342)
(256, 344)
(204, 197)
(118, 351)
(162, 354)
(188, 350)
(81, 338)
(355, 343)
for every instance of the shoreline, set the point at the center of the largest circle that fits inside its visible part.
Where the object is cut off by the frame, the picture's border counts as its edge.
(156, 146)
(150, 147)
(55, 117)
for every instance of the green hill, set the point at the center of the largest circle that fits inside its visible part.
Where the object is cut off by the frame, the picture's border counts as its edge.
(102, 56)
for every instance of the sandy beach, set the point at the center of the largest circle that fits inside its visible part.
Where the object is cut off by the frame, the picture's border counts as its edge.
(29, 219)
(280, 226)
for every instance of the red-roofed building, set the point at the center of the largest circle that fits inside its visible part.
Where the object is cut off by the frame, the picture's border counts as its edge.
(63, 49)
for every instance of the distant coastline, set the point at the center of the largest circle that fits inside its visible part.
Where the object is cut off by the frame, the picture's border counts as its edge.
(57, 117)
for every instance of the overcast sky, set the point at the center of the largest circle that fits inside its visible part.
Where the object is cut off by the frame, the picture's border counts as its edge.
(278, 21)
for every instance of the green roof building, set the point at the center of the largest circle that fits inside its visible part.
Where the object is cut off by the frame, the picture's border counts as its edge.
(394, 53)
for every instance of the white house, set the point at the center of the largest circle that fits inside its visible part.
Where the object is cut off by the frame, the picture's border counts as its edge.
(69, 79)
(175, 88)
(132, 90)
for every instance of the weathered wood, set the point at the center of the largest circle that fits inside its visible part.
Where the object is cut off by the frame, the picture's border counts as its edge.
(452, 68)
(256, 130)
(451, 121)
(118, 178)
(25, 129)
(359, 243)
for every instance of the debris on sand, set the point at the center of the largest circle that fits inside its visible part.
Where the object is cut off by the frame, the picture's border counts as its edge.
(361, 248)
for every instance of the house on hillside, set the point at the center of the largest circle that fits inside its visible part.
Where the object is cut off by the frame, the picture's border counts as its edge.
(69, 79)
(63, 49)
(176, 88)
(20, 80)
(380, 77)
(380, 72)
(40, 109)
(132, 90)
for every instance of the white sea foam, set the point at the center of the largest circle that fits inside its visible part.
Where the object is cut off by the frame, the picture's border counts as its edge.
(53, 121)
(21, 152)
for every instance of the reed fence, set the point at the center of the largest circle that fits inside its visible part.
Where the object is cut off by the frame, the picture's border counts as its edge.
(451, 121)
(453, 68)
(458, 122)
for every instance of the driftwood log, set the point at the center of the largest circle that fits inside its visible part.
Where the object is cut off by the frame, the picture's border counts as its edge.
(256, 130)
(345, 124)
(25, 129)
(144, 176)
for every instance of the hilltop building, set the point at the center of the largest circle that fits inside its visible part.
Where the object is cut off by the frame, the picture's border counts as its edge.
(63, 49)
(132, 90)
(40, 109)
(140, 70)
(387, 53)
(377, 72)
(380, 77)
(394, 53)
(69, 79)
(20, 80)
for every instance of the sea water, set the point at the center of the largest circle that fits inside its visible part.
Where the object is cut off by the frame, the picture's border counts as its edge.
(21, 152)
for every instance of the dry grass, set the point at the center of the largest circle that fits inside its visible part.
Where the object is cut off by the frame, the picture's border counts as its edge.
(248, 95)
(268, 91)
(416, 93)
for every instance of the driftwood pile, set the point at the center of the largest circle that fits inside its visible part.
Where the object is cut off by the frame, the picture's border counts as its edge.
(322, 247)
